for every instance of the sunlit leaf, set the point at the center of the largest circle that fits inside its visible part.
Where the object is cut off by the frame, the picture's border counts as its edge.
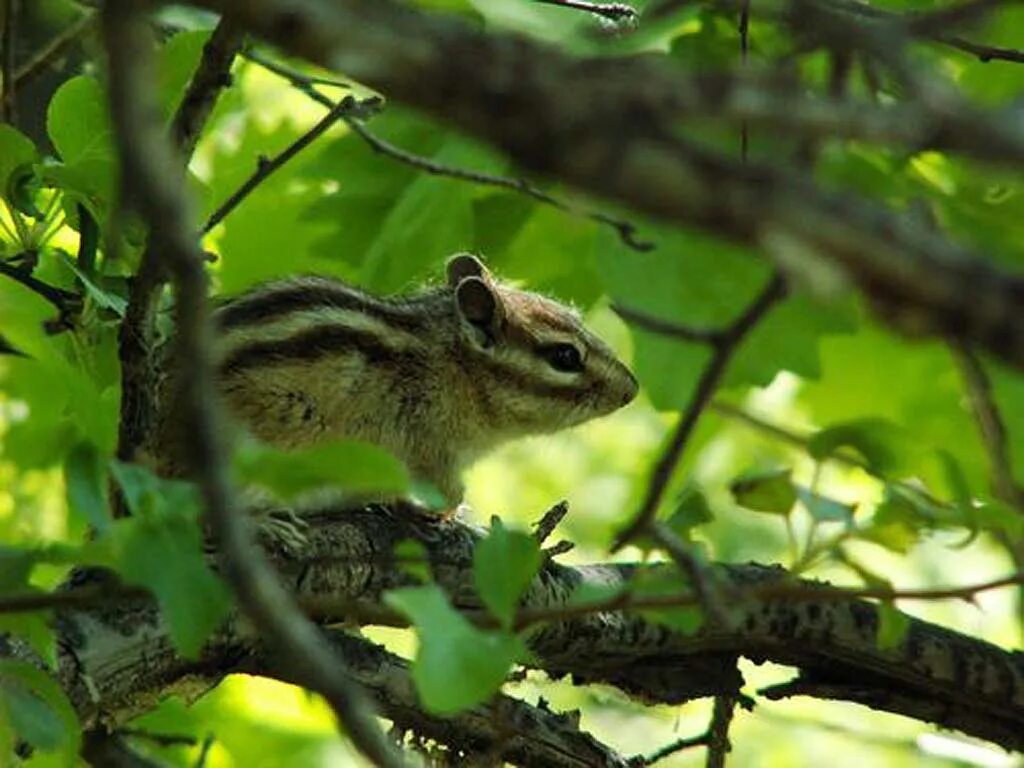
(504, 564)
(37, 709)
(357, 469)
(766, 491)
(457, 666)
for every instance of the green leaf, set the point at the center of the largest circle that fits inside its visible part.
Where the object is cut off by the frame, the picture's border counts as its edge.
(23, 184)
(15, 151)
(160, 548)
(702, 282)
(85, 478)
(893, 626)
(356, 468)
(457, 666)
(887, 448)
(78, 123)
(103, 298)
(504, 564)
(766, 491)
(79, 127)
(824, 509)
(36, 707)
(35, 629)
(691, 510)
(431, 219)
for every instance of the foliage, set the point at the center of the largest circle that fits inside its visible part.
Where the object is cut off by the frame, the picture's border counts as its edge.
(883, 478)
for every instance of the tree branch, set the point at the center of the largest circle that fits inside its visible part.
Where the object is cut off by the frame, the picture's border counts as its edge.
(136, 336)
(153, 181)
(724, 344)
(265, 167)
(616, 12)
(934, 674)
(990, 425)
(211, 77)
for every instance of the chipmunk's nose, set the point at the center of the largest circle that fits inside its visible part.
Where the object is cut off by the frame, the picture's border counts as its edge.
(631, 388)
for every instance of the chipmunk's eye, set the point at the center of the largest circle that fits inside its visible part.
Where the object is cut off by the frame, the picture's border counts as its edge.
(563, 357)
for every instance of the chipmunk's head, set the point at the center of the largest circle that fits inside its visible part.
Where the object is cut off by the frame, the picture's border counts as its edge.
(542, 369)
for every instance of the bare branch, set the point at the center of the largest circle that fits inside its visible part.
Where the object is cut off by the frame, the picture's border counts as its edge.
(265, 167)
(626, 230)
(935, 674)
(612, 11)
(990, 425)
(152, 179)
(668, 750)
(718, 731)
(211, 77)
(985, 53)
(724, 344)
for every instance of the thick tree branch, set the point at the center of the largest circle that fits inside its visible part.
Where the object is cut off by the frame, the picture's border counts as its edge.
(152, 179)
(934, 674)
(587, 122)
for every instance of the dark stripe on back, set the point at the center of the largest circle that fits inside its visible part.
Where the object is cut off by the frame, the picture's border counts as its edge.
(312, 344)
(263, 307)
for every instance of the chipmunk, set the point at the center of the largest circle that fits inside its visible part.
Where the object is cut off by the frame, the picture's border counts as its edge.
(437, 378)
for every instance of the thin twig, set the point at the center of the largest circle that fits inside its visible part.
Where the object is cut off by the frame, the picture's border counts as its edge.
(990, 424)
(611, 11)
(8, 100)
(744, 30)
(626, 229)
(212, 75)
(53, 50)
(306, 84)
(702, 582)
(152, 179)
(984, 53)
(721, 719)
(265, 167)
(550, 520)
(65, 301)
(300, 80)
(724, 345)
(667, 327)
(668, 750)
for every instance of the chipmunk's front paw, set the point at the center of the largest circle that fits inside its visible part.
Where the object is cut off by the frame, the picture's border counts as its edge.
(281, 530)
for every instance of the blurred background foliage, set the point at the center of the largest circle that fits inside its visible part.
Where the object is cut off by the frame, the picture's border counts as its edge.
(342, 209)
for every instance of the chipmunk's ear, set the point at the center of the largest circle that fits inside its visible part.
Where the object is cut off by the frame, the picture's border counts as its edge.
(463, 265)
(480, 306)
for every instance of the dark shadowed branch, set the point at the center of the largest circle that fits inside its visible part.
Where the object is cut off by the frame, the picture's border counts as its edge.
(153, 180)
(211, 77)
(53, 50)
